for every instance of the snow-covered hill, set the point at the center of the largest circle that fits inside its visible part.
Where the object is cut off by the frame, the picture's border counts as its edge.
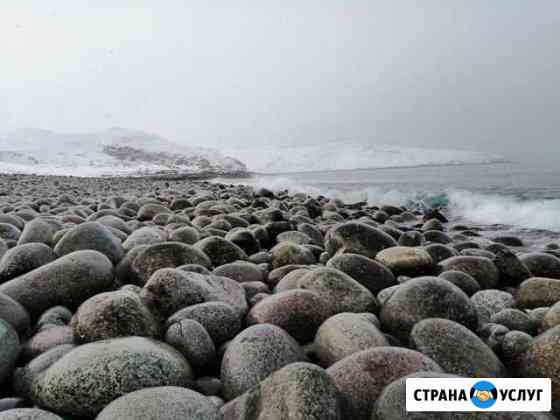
(350, 155)
(116, 151)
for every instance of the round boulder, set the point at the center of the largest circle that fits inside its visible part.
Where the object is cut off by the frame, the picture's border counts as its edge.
(405, 260)
(357, 238)
(88, 378)
(254, 354)
(482, 269)
(166, 402)
(299, 312)
(426, 297)
(9, 350)
(456, 349)
(538, 291)
(361, 377)
(24, 258)
(91, 235)
(67, 281)
(112, 315)
(369, 273)
(341, 292)
(344, 334)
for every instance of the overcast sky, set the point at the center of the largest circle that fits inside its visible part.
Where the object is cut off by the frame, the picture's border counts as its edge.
(469, 74)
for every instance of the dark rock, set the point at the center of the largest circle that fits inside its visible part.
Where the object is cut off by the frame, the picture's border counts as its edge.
(241, 271)
(45, 340)
(67, 281)
(512, 270)
(14, 314)
(426, 297)
(9, 350)
(369, 273)
(166, 255)
(357, 238)
(193, 341)
(94, 236)
(24, 258)
(220, 251)
(514, 319)
(290, 253)
(542, 265)
(462, 280)
(481, 269)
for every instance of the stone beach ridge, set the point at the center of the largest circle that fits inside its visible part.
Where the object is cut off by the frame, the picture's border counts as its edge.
(166, 298)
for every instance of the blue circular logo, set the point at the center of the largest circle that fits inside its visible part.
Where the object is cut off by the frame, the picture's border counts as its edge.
(483, 394)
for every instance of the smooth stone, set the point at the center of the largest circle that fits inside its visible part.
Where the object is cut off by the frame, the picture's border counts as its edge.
(361, 377)
(300, 391)
(94, 236)
(111, 315)
(220, 250)
(298, 312)
(25, 376)
(22, 259)
(14, 314)
(514, 319)
(241, 271)
(254, 354)
(290, 253)
(340, 291)
(166, 402)
(538, 291)
(440, 252)
(37, 230)
(542, 265)
(490, 302)
(67, 281)
(28, 414)
(166, 255)
(369, 273)
(150, 210)
(144, 236)
(45, 340)
(456, 349)
(193, 341)
(57, 315)
(403, 260)
(357, 238)
(246, 239)
(9, 232)
(542, 360)
(436, 236)
(426, 297)
(411, 238)
(186, 234)
(551, 317)
(87, 379)
(462, 280)
(512, 270)
(513, 347)
(221, 321)
(170, 290)
(9, 350)
(482, 269)
(344, 334)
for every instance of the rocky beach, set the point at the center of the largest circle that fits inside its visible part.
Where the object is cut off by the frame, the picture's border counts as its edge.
(146, 298)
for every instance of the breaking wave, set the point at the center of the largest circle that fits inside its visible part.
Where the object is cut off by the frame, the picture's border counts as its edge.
(476, 207)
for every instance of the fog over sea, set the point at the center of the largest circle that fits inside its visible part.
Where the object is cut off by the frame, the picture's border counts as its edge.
(500, 198)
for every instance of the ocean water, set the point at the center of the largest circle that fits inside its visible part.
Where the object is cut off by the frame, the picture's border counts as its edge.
(505, 198)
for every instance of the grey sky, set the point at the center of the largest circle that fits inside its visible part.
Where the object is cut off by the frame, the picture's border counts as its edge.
(470, 74)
